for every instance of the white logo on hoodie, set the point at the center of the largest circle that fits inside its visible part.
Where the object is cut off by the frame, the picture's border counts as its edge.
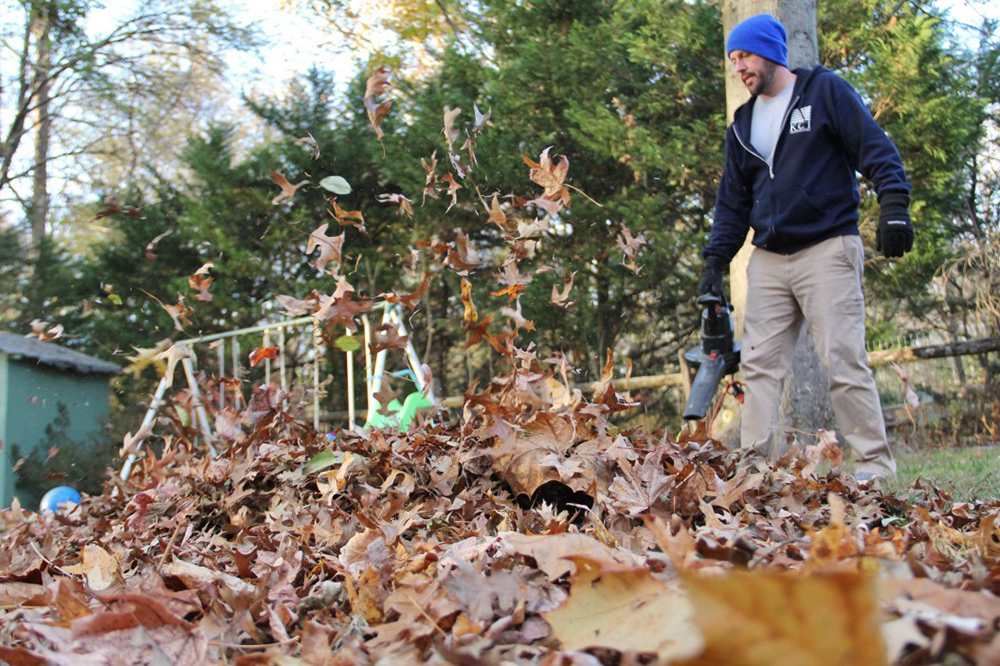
(800, 120)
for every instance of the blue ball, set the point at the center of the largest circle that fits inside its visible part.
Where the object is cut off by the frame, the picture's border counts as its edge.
(58, 498)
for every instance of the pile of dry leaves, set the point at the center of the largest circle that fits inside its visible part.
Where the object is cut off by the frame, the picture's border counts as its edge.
(529, 529)
(383, 548)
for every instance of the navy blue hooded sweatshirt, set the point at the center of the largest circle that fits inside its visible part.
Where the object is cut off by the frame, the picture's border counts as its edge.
(811, 193)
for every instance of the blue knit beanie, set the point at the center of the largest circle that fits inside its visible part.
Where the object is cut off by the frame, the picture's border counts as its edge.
(761, 34)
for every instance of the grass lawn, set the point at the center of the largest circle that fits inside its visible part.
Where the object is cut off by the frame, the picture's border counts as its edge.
(971, 473)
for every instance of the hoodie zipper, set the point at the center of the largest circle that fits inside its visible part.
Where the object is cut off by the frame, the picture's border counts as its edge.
(788, 112)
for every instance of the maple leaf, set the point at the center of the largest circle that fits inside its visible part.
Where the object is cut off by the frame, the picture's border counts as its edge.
(201, 281)
(308, 142)
(630, 247)
(258, 355)
(151, 246)
(562, 299)
(387, 336)
(329, 248)
(480, 331)
(453, 188)
(404, 204)
(44, 331)
(470, 315)
(463, 257)
(348, 218)
(497, 215)
(287, 189)
(375, 87)
(550, 176)
(449, 131)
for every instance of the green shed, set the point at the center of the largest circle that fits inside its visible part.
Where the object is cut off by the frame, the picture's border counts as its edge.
(36, 378)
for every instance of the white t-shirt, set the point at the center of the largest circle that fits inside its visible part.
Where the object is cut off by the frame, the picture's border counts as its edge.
(765, 123)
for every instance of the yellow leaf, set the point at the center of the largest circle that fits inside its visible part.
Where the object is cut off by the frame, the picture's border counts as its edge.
(99, 567)
(471, 315)
(625, 609)
(776, 619)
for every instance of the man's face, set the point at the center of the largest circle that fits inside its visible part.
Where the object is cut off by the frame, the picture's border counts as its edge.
(756, 72)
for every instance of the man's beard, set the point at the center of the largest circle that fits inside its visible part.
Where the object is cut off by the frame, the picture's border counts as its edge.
(765, 79)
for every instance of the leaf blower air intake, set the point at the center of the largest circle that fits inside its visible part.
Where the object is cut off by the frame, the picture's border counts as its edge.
(717, 356)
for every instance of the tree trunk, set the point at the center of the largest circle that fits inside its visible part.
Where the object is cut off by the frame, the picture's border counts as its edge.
(39, 212)
(805, 402)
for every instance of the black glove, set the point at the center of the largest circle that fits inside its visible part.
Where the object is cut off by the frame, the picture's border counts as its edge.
(894, 236)
(711, 277)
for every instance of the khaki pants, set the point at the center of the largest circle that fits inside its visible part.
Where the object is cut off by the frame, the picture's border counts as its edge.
(821, 283)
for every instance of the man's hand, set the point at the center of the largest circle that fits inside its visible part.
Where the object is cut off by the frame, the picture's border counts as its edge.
(711, 277)
(894, 236)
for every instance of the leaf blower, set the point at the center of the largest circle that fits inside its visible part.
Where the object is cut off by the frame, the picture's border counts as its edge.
(717, 356)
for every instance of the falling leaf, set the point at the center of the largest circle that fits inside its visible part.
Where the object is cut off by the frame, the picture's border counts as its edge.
(329, 248)
(151, 246)
(347, 343)
(309, 143)
(470, 314)
(404, 204)
(295, 307)
(480, 120)
(511, 292)
(550, 176)
(449, 131)
(258, 355)
(825, 449)
(430, 177)
(387, 336)
(463, 257)
(375, 87)
(409, 300)
(384, 396)
(453, 188)
(630, 247)
(561, 299)
(112, 206)
(287, 189)
(172, 355)
(201, 281)
(335, 184)
(348, 217)
(45, 331)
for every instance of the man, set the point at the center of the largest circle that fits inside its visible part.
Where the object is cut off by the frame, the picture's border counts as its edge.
(791, 156)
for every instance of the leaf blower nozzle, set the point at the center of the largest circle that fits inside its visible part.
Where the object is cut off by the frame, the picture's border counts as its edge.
(717, 356)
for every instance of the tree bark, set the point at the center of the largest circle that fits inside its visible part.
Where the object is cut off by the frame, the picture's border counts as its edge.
(805, 402)
(40, 29)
